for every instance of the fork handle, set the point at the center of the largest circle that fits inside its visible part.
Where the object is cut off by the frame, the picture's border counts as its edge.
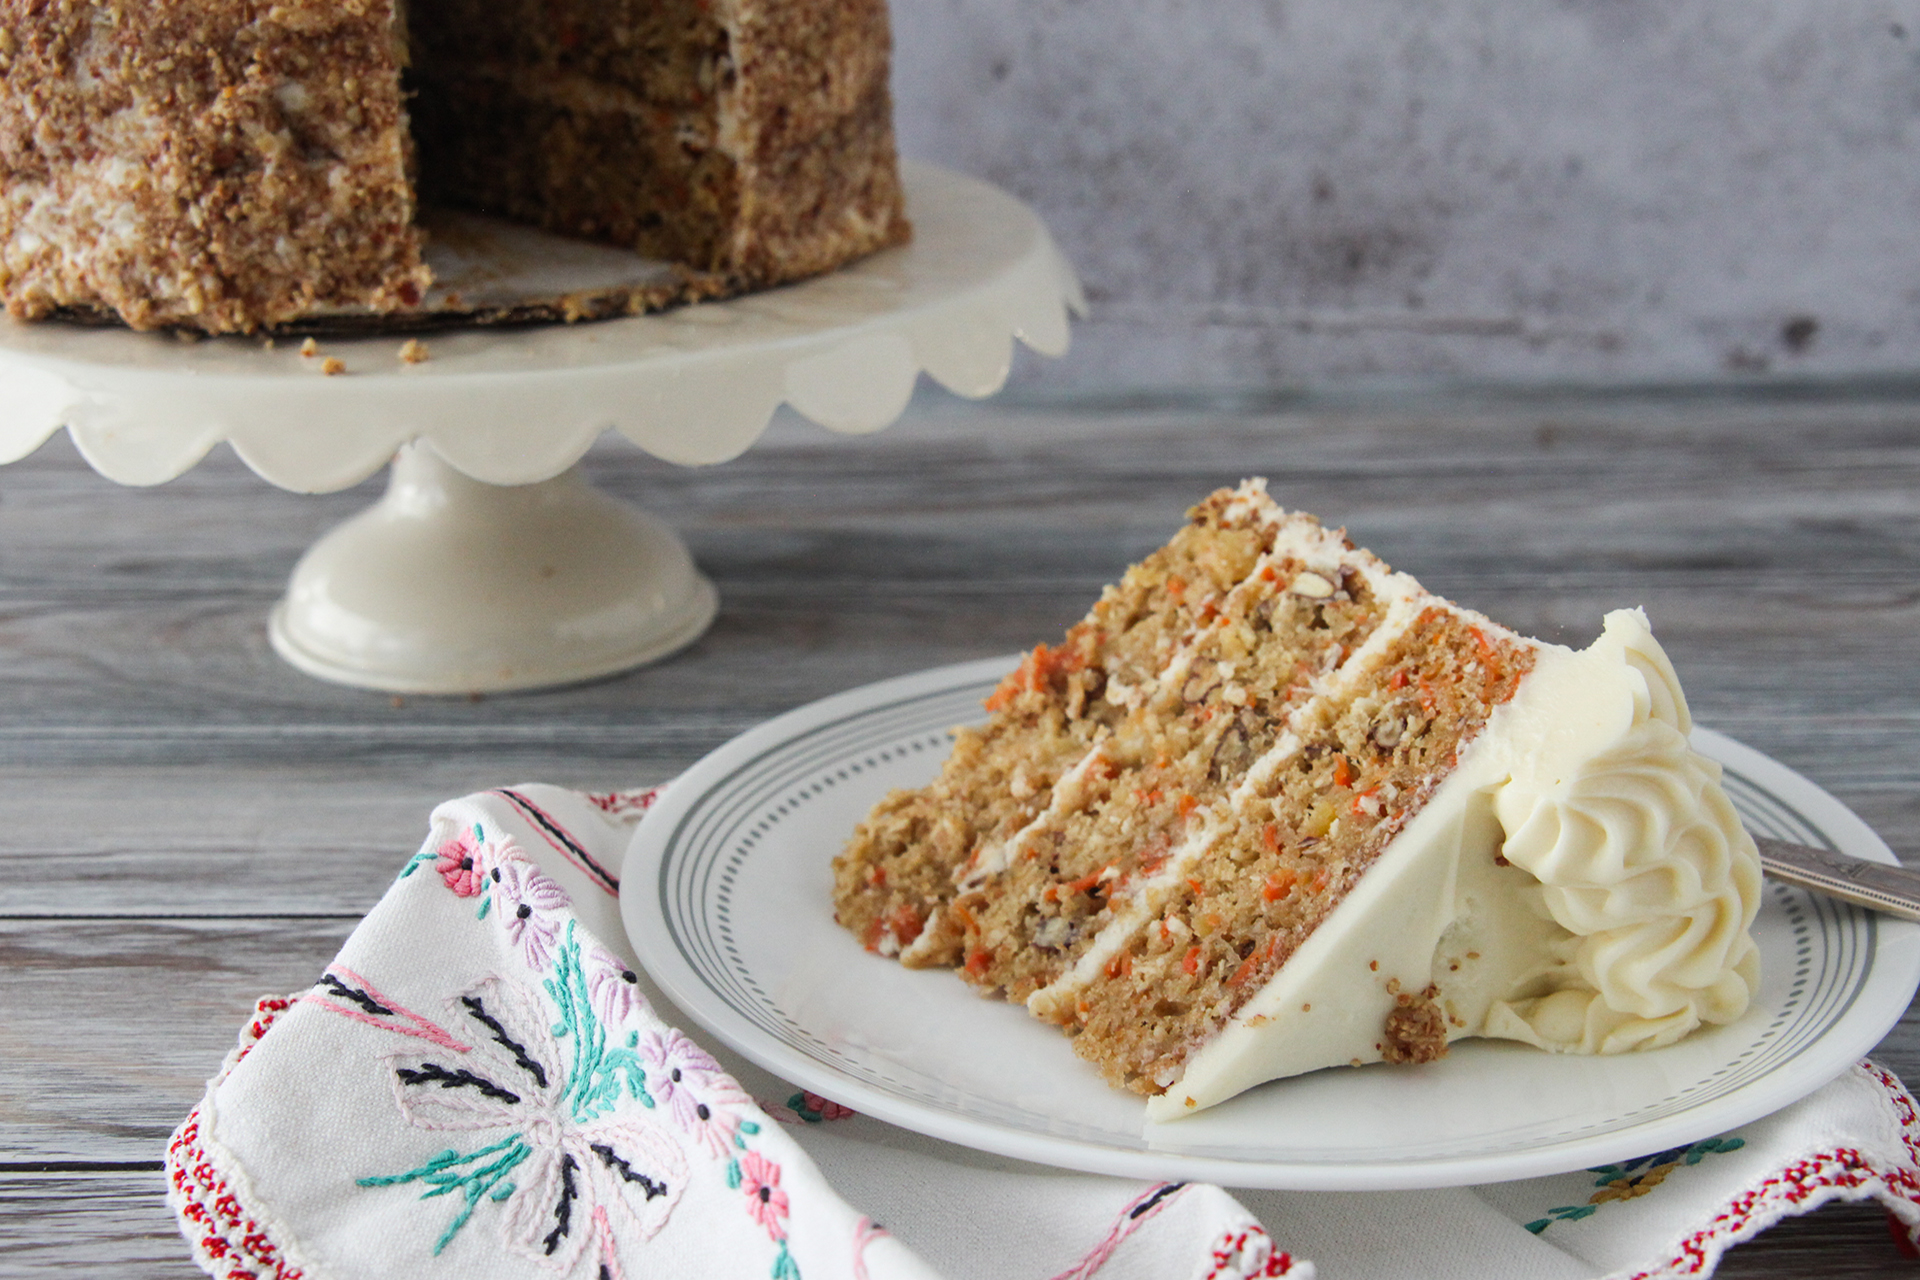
(1894, 890)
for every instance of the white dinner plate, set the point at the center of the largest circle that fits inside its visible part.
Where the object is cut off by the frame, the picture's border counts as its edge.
(727, 894)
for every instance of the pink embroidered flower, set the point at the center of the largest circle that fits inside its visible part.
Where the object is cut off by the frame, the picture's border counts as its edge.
(760, 1179)
(531, 908)
(613, 988)
(825, 1108)
(459, 863)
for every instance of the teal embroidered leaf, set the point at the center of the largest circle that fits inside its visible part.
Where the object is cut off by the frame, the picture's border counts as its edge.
(445, 1174)
(413, 863)
(1712, 1146)
(601, 1075)
(1563, 1213)
(1694, 1154)
(1635, 1178)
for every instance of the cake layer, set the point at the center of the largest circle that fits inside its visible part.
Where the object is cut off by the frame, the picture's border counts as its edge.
(239, 164)
(1305, 813)
(1310, 821)
(811, 122)
(222, 164)
(897, 879)
(1580, 883)
(753, 141)
(1159, 782)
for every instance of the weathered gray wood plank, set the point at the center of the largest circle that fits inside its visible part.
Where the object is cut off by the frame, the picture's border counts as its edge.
(113, 1026)
(190, 824)
(282, 840)
(95, 1224)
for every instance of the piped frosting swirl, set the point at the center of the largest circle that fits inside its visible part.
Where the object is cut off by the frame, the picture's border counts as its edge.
(1643, 861)
(1581, 883)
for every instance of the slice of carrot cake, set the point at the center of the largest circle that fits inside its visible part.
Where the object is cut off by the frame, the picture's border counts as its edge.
(1273, 806)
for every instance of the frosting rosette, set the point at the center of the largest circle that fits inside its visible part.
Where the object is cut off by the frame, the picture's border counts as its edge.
(1641, 859)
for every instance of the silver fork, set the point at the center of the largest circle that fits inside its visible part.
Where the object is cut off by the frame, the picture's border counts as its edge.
(1894, 890)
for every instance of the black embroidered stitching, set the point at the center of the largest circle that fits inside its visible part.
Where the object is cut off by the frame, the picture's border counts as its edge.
(434, 1073)
(479, 1014)
(627, 1172)
(336, 987)
(552, 828)
(563, 1212)
(1155, 1198)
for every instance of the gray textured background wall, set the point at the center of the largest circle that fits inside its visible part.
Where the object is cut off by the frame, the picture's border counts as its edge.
(1292, 191)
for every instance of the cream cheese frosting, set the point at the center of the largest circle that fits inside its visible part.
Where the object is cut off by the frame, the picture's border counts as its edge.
(1580, 883)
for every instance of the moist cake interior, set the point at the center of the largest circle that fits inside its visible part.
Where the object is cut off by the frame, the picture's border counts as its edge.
(1266, 763)
(605, 121)
(232, 165)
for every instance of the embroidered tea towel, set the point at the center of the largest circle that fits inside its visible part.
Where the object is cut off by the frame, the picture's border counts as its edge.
(476, 1087)
(483, 1084)
(479, 1086)
(1661, 1216)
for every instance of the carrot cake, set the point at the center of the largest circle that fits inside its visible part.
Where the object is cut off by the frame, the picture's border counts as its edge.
(229, 165)
(1272, 806)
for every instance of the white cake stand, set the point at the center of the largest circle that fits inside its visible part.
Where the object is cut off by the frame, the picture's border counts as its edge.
(490, 564)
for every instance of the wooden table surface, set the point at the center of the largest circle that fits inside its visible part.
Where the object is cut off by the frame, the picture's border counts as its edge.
(189, 823)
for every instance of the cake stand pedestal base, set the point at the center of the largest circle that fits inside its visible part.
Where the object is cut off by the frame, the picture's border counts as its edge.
(459, 582)
(451, 585)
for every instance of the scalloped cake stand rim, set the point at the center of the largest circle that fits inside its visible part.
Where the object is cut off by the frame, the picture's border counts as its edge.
(695, 385)
(489, 565)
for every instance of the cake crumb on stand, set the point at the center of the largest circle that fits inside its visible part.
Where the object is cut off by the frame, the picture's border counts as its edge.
(486, 434)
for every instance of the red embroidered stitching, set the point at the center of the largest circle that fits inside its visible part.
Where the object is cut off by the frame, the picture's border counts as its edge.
(1232, 1250)
(228, 1243)
(618, 804)
(1838, 1169)
(805, 1107)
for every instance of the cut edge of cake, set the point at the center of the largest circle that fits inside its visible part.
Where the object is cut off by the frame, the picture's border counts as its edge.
(1179, 971)
(1580, 883)
(271, 181)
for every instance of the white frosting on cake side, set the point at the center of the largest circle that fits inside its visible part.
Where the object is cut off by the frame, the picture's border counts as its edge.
(1580, 882)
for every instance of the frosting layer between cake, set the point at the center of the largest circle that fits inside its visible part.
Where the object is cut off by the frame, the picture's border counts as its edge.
(1272, 806)
(1580, 883)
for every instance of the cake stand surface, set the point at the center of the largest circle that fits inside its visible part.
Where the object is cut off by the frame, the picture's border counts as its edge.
(490, 564)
